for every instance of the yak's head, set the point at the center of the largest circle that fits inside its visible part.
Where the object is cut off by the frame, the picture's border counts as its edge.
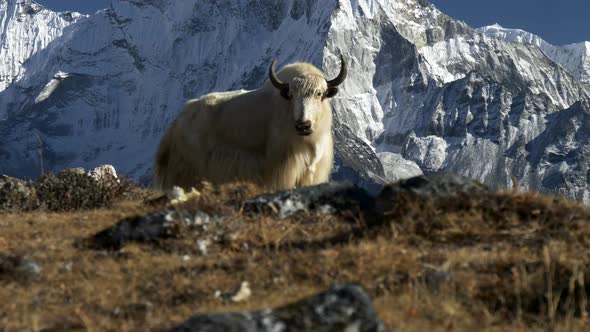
(305, 92)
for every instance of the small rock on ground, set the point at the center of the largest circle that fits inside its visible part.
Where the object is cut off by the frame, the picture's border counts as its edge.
(341, 308)
(14, 267)
(149, 228)
(324, 198)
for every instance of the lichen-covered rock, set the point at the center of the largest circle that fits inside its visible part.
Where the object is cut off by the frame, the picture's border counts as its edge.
(420, 189)
(324, 198)
(14, 267)
(427, 152)
(435, 186)
(397, 167)
(16, 195)
(328, 198)
(150, 228)
(341, 308)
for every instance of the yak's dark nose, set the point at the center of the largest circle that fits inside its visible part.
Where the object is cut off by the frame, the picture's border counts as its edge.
(303, 127)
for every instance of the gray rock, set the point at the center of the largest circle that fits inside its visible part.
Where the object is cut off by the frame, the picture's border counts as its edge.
(146, 228)
(355, 161)
(29, 266)
(428, 152)
(16, 268)
(341, 308)
(149, 228)
(324, 198)
(397, 167)
(426, 187)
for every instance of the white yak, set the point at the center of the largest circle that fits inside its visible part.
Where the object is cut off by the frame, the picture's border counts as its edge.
(278, 136)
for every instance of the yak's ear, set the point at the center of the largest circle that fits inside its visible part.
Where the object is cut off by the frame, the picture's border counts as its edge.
(331, 92)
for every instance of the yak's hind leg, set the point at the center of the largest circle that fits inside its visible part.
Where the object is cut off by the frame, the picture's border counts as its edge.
(172, 165)
(179, 172)
(162, 178)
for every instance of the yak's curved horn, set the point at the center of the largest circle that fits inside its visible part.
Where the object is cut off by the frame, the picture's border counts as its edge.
(341, 76)
(275, 80)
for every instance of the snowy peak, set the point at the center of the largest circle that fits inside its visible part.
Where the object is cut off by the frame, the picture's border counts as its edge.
(26, 28)
(427, 92)
(574, 57)
(513, 35)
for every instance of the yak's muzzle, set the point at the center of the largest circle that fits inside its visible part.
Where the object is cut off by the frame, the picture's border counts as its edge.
(303, 128)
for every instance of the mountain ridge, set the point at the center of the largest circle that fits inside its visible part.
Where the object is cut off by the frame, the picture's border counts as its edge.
(26, 28)
(426, 92)
(573, 57)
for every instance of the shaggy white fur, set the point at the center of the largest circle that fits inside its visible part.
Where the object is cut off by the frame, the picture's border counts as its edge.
(251, 136)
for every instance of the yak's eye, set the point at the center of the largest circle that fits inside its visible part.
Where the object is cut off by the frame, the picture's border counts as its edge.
(319, 94)
(286, 94)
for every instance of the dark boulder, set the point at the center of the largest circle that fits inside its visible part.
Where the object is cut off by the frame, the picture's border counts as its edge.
(149, 228)
(433, 186)
(18, 268)
(330, 197)
(341, 308)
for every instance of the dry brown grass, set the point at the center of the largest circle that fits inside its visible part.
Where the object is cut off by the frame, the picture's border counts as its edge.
(493, 262)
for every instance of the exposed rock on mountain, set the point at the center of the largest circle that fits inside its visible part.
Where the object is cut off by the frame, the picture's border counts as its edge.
(573, 57)
(421, 85)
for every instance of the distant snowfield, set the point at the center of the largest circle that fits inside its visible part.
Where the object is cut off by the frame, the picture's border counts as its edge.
(426, 92)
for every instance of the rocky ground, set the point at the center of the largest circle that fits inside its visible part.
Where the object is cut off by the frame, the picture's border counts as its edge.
(430, 253)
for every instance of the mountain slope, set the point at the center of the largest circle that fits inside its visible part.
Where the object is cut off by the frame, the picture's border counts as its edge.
(574, 57)
(422, 88)
(25, 29)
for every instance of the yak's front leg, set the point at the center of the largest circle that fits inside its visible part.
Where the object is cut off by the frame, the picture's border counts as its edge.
(318, 170)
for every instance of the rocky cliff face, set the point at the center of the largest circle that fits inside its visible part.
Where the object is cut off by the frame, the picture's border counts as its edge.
(424, 91)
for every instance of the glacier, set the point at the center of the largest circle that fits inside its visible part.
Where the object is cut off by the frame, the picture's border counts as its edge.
(425, 93)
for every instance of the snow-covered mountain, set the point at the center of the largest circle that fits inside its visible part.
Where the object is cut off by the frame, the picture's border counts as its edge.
(26, 28)
(425, 92)
(573, 57)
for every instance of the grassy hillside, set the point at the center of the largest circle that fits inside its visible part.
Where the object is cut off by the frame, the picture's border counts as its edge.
(464, 260)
